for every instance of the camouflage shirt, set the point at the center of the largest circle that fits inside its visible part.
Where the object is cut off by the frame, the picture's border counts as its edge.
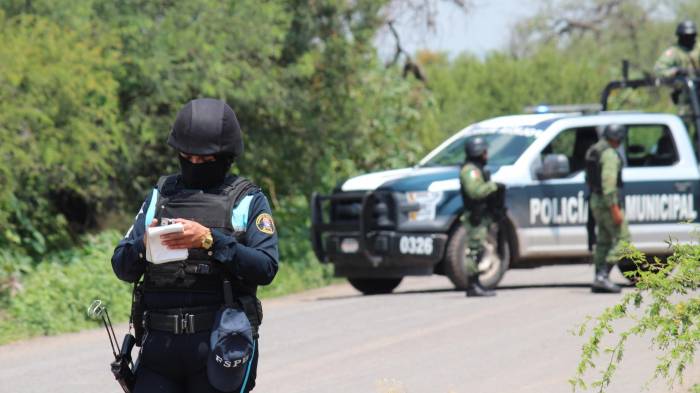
(675, 58)
(474, 184)
(610, 166)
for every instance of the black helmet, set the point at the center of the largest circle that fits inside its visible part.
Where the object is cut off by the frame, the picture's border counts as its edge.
(686, 27)
(615, 132)
(206, 126)
(475, 147)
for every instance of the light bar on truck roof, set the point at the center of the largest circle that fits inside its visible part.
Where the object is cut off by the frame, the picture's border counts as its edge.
(578, 108)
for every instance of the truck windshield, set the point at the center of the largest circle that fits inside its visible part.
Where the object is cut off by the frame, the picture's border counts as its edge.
(504, 149)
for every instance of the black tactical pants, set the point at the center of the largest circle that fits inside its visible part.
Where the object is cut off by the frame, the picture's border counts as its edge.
(177, 363)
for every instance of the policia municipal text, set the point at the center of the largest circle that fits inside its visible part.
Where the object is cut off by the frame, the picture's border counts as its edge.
(232, 243)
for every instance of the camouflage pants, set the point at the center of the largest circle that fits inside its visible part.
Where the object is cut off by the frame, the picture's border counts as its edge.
(476, 237)
(609, 235)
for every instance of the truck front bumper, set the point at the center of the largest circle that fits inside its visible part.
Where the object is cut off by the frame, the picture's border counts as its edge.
(357, 250)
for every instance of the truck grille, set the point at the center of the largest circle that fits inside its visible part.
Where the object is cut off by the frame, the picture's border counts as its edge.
(348, 210)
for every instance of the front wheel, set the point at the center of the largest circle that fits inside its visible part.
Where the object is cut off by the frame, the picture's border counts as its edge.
(493, 263)
(375, 286)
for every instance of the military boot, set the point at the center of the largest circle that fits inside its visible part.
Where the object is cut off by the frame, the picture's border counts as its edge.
(475, 289)
(602, 283)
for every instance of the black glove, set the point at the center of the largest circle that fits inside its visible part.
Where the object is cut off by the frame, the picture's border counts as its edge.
(501, 188)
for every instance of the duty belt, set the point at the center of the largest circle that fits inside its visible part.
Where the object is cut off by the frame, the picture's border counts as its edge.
(179, 321)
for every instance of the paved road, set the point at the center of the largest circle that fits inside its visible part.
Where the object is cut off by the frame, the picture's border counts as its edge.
(425, 338)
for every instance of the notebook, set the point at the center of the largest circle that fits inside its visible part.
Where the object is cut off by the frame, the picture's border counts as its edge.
(156, 252)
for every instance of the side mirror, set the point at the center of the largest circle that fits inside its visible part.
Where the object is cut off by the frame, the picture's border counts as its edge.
(554, 166)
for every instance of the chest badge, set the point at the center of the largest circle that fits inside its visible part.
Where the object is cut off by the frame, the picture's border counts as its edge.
(265, 224)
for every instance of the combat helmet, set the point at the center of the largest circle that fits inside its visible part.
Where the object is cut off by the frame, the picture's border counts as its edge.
(687, 27)
(206, 126)
(475, 147)
(615, 132)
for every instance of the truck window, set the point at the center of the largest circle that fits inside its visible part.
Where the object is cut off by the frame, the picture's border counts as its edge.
(573, 143)
(504, 149)
(650, 145)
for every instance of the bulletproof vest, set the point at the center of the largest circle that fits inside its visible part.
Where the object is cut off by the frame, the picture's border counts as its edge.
(199, 273)
(594, 169)
(474, 204)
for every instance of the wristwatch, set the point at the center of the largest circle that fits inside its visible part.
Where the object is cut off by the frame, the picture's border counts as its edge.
(207, 240)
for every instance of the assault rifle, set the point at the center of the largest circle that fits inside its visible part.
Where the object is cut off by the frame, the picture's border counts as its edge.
(496, 203)
(122, 367)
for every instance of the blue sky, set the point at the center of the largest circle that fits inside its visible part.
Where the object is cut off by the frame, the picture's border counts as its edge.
(485, 28)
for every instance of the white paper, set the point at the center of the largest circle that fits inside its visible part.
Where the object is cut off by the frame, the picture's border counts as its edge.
(156, 252)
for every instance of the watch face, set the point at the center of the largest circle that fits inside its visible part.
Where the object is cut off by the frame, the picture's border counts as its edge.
(207, 241)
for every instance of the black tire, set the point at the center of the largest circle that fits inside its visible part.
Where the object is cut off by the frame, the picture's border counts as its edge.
(375, 286)
(627, 266)
(493, 264)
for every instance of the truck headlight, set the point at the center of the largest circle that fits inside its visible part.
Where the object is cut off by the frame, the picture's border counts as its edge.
(422, 205)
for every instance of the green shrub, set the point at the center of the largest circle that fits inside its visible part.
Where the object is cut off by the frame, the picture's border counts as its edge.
(664, 305)
(55, 294)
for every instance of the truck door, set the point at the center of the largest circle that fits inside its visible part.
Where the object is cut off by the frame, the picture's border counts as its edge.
(552, 212)
(660, 192)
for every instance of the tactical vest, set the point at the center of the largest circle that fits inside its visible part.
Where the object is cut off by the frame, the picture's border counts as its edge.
(469, 203)
(475, 207)
(594, 170)
(199, 273)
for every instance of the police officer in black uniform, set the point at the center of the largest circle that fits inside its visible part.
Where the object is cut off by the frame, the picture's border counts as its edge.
(230, 236)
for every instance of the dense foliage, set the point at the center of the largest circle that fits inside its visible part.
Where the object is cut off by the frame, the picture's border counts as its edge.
(90, 89)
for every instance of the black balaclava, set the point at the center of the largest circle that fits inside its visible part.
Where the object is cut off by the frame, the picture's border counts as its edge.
(479, 161)
(687, 41)
(205, 175)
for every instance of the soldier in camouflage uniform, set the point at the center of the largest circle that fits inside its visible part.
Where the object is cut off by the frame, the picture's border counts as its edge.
(476, 189)
(681, 60)
(604, 179)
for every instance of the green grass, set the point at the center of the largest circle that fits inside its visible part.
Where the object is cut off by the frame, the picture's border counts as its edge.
(55, 293)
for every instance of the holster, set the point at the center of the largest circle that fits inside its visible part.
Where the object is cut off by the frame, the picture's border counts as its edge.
(252, 307)
(253, 310)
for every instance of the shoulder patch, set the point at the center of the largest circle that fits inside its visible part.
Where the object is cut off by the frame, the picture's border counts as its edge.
(265, 224)
(474, 174)
(669, 52)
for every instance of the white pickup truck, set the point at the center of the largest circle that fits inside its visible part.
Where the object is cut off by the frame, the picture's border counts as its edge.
(379, 227)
